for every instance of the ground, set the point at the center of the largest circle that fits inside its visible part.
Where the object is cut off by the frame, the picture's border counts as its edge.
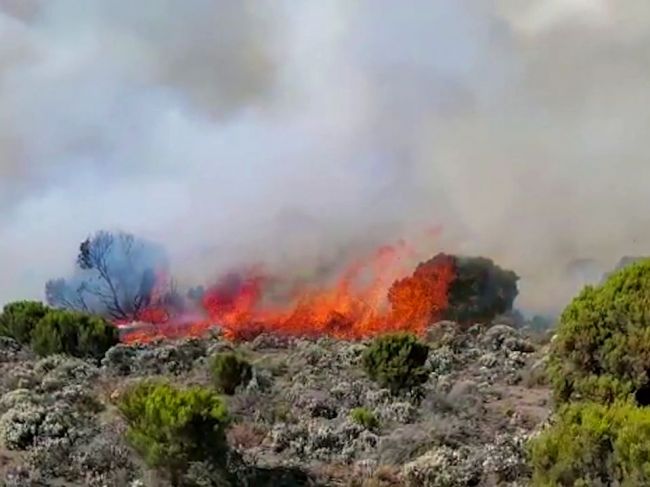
(467, 425)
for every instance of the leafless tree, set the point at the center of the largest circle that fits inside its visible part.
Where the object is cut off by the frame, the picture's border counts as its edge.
(117, 277)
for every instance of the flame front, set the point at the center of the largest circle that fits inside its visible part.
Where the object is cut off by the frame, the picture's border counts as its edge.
(367, 299)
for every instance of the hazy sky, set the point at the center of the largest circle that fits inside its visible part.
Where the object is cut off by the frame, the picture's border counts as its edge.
(295, 131)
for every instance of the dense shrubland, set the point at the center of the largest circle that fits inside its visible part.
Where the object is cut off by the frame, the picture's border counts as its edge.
(72, 333)
(594, 444)
(602, 346)
(50, 331)
(19, 319)
(394, 410)
(599, 367)
(300, 411)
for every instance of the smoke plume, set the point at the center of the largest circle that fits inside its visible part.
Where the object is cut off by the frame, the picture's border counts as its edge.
(300, 132)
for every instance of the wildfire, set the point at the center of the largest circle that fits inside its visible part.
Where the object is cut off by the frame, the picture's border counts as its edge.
(370, 297)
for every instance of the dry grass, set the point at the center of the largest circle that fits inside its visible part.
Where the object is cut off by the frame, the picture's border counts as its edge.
(384, 476)
(246, 435)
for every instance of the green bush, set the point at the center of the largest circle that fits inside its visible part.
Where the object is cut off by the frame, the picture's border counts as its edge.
(172, 427)
(19, 319)
(230, 371)
(396, 361)
(602, 348)
(73, 333)
(594, 444)
(364, 417)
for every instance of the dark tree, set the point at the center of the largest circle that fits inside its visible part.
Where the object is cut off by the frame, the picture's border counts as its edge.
(62, 294)
(480, 291)
(115, 277)
(196, 294)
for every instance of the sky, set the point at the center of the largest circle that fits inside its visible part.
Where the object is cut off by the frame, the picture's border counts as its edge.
(299, 132)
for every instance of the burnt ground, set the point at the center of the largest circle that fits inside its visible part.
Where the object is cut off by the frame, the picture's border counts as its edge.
(467, 425)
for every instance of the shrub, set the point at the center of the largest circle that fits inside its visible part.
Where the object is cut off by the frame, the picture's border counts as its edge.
(230, 371)
(480, 291)
(73, 333)
(594, 444)
(602, 347)
(396, 361)
(19, 319)
(364, 417)
(173, 427)
(462, 289)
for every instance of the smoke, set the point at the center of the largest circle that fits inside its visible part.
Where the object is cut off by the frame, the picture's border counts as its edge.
(297, 132)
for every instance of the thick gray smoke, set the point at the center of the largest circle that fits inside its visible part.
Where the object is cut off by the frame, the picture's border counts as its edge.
(292, 131)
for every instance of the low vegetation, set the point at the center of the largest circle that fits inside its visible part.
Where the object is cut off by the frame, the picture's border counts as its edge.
(602, 348)
(230, 371)
(172, 427)
(155, 413)
(394, 402)
(52, 331)
(73, 333)
(599, 367)
(19, 319)
(594, 444)
(396, 361)
(364, 417)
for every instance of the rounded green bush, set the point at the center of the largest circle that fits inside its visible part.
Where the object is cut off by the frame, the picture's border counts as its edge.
(594, 444)
(480, 291)
(172, 427)
(601, 351)
(396, 361)
(19, 319)
(230, 371)
(73, 333)
(364, 417)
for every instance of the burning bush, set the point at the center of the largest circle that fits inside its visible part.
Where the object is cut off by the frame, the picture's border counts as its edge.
(422, 297)
(173, 427)
(19, 319)
(367, 299)
(230, 371)
(352, 307)
(396, 361)
(602, 348)
(462, 289)
(73, 333)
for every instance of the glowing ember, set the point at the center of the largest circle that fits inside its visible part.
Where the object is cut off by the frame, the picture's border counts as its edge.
(367, 299)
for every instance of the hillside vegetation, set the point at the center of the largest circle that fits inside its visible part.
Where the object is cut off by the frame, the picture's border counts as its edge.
(462, 405)
(599, 367)
(397, 410)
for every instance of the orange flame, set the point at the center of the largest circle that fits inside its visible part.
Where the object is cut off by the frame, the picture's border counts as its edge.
(366, 300)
